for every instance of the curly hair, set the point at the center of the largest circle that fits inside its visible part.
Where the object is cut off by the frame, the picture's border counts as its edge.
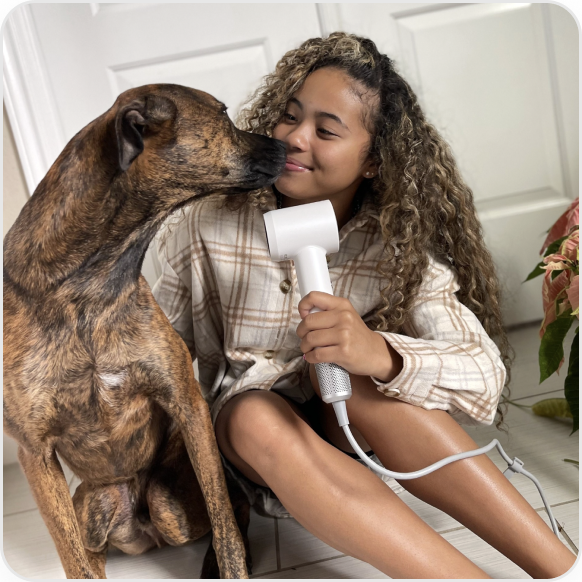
(424, 205)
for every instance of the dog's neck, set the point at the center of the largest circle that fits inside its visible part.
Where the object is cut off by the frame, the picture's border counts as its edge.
(85, 228)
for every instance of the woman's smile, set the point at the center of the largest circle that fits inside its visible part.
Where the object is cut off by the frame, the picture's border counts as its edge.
(296, 166)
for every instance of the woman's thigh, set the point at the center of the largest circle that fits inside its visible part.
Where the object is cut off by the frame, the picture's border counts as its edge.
(407, 438)
(250, 423)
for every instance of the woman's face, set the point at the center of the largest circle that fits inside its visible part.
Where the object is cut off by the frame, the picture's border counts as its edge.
(326, 139)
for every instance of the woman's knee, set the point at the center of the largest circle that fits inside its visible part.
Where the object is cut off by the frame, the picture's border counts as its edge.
(256, 422)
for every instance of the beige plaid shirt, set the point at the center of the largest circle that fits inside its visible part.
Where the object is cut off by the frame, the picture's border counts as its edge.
(236, 310)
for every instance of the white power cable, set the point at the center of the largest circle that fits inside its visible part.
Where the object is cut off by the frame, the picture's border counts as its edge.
(514, 465)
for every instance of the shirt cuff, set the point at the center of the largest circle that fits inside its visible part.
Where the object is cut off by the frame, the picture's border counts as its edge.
(420, 368)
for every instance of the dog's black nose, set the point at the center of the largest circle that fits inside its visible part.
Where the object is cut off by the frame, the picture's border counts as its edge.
(266, 167)
(269, 158)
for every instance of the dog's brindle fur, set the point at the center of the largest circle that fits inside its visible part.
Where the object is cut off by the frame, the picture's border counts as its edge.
(93, 369)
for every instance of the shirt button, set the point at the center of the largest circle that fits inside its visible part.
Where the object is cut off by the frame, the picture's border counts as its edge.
(285, 286)
(269, 354)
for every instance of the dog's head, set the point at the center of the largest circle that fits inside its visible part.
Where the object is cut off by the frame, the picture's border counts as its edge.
(182, 138)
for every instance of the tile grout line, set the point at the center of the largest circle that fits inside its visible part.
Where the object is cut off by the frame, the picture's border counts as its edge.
(561, 391)
(36, 507)
(304, 564)
(20, 512)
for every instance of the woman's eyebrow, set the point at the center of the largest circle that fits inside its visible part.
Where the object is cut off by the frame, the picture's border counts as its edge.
(320, 113)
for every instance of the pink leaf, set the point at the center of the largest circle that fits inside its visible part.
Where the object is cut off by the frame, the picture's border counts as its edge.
(573, 295)
(551, 293)
(563, 225)
(569, 247)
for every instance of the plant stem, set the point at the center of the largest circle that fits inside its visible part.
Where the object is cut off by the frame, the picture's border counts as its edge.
(572, 461)
(515, 403)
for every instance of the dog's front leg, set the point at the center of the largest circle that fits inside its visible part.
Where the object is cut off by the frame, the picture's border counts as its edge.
(193, 416)
(50, 490)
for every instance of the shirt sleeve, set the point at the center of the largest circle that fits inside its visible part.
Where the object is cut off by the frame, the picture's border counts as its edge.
(175, 299)
(449, 361)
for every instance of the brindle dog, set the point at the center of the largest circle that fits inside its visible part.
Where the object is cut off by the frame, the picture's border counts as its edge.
(93, 370)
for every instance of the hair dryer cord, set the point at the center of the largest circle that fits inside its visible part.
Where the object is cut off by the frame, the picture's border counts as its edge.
(514, 465)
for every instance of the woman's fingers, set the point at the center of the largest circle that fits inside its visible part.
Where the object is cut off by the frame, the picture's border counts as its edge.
(317, 321)
(321, 355)
(319, 339)
(323, 301)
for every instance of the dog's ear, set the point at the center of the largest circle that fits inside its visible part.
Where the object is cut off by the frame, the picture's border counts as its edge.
(132, 120)
(129, 125)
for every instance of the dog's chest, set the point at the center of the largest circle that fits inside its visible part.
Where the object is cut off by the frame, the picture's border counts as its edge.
(108, 427)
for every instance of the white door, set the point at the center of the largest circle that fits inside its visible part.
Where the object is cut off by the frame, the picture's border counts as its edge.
(499, 81)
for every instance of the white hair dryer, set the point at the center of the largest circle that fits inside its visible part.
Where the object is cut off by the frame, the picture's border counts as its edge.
(305, 234)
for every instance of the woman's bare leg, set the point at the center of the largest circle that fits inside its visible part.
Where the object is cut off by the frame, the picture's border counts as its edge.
(473, 491)
(331, 495)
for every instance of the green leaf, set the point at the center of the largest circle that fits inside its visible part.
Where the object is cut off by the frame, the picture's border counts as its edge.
(555, 246)
(551, 347)
(552, 407)
(536, 272)
(572, 383)
(552, 248)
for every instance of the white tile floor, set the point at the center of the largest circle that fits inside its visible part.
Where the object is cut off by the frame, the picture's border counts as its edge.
(283, 549)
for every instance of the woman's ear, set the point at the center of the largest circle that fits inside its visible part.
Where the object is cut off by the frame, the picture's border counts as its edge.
(370, 170)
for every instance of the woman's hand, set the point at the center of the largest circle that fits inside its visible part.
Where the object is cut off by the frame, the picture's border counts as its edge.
(338, 334)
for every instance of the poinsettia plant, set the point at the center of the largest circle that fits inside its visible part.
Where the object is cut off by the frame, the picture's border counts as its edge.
(559, 266)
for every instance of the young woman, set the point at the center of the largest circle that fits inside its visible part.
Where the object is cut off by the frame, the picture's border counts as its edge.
(414, 319)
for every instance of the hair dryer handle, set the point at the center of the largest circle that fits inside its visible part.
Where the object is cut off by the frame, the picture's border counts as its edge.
(313, 275)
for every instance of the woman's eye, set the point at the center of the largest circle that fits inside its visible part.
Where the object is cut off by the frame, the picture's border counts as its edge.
(289, 117)
(325, 131)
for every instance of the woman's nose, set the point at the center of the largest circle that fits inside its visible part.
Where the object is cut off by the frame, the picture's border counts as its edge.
(298, 138)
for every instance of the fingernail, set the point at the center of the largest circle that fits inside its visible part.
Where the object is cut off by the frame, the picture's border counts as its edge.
(304, 357)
